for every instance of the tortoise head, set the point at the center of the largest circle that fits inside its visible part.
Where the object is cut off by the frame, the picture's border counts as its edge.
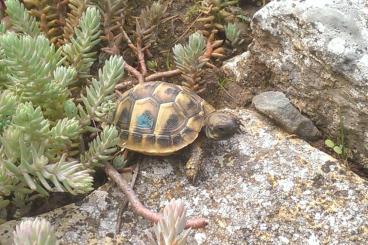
(221, 125)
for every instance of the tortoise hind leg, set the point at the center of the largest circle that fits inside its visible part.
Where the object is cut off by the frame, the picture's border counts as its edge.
(194, 163)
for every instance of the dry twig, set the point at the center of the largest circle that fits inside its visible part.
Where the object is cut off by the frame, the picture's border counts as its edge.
(125, 201)
(138, 207)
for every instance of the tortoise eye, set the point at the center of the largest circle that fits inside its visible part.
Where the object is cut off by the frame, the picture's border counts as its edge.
(221, 129)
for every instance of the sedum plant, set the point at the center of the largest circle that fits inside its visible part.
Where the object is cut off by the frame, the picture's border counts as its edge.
(43, 124)
(21, 20)
(170, 229)
(36, 231)
(32, 152)
(232, 34)
(49, 17)
(189, 59)
(113, 17)
(35, 72)
(192, 57)
(79, 52)
(77, 8)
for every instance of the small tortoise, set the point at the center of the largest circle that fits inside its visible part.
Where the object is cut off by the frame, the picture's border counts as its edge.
(159, 118)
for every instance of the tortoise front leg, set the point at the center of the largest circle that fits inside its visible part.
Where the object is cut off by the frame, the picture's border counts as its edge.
(193, 165)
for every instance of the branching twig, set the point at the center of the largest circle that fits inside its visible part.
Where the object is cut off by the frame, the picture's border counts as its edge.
(123, 85)
(135, 72)
(159, 75)
(128, 40)
(138, 206)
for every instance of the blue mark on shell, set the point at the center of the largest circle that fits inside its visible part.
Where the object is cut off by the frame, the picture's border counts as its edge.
(145, 120)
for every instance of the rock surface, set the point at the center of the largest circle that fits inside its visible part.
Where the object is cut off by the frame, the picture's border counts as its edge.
(260, 187)
(317, 53)
(275, 105)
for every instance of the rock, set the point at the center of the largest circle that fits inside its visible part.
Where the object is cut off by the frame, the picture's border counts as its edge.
(275, 105)
(235, 66)
(317, 53)
(259, 187)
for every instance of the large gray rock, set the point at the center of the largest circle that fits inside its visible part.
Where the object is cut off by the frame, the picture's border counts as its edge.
(275, 105)
(260, 187)
(317, 52)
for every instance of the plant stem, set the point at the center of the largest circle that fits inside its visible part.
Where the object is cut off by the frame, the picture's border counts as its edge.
(140, 51)
(158, 75)
(125, 201)
(138, 207)
(136, 73)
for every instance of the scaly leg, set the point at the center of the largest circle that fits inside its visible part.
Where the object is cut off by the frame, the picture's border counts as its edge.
(193, 165)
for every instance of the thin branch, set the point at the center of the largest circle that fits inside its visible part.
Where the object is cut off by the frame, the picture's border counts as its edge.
(138, 207)
(159, 75)
(123, 85)
(129, 41)
(125, 201)
(135, 72)
(140, 52)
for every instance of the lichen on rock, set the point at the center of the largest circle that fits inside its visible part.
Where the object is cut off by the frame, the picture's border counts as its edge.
(261, 186)
(317, 54)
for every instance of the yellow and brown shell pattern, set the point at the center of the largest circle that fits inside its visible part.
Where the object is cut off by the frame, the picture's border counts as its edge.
(159, 118)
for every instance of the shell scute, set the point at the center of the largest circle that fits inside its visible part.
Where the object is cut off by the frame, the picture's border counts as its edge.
(145, 90)
(123, 112)
(144, 116)
(188, 104)
(165, 93)
(170, 119)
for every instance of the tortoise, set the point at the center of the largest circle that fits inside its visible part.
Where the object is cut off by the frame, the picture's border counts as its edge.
(159, 118)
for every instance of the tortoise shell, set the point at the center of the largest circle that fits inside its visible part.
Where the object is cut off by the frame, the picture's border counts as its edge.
(159, 118)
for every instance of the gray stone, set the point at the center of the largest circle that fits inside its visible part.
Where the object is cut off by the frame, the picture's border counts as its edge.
(317, 53)
(275, 105)
(260, 187)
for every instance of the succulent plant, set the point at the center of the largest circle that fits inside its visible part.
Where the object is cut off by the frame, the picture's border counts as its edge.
(189, 59)
(21, 20)
(80, 51)
(170, 229)
(149, 20)
(42, 122)
(36, 231)
(232, 33)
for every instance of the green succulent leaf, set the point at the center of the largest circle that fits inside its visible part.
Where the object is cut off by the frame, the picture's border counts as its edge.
(119, 162)
(80, 52)
(7, 108)
(232, 33)
(187, 57)
(34, 72)
(63, 134)
(21, 19)
(70, 109)
(31, 122)
(338, 149)
(102, 148)
(2, 28)
(329, 143)
(98, 95)
(70, 176)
